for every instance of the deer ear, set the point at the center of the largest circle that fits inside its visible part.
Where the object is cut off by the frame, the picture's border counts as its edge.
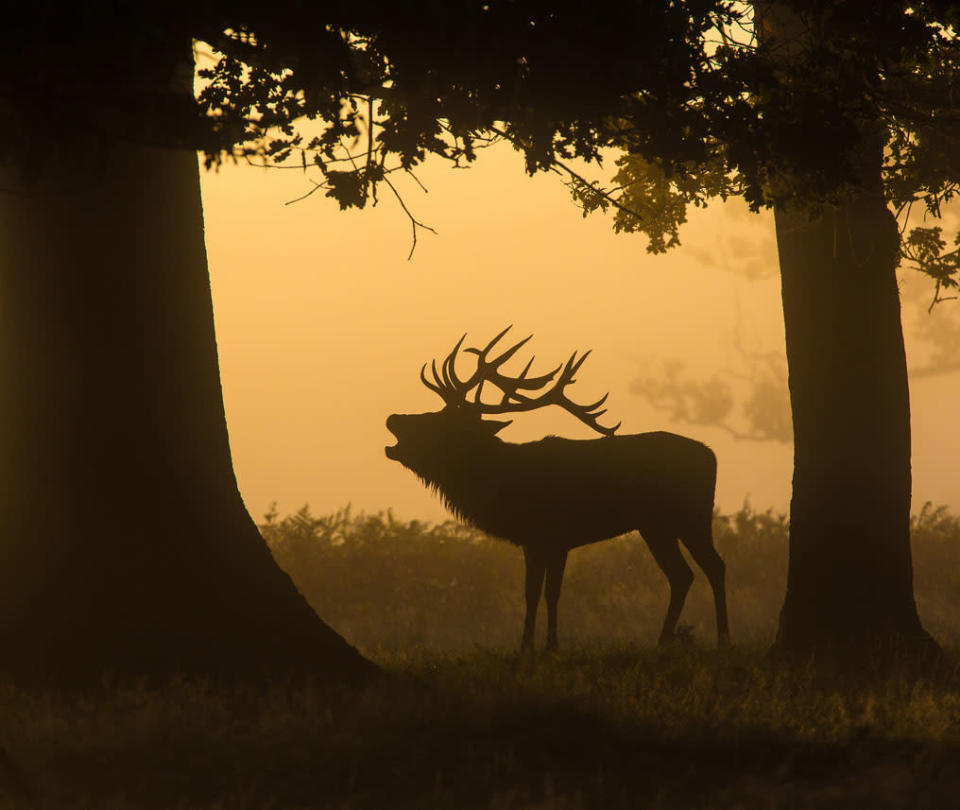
(493, 428)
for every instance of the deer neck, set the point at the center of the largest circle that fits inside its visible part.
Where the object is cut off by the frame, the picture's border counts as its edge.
(469, 482)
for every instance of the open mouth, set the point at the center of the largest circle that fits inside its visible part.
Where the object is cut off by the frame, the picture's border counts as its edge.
(391, 449)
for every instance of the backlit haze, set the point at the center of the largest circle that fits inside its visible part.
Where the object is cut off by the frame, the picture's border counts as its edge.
(323, 325)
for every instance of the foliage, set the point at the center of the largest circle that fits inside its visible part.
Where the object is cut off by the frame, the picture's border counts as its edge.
(924, 248)
(696, 100)
(935, 535)
(381, 582)
(390, 586)
(375, 90)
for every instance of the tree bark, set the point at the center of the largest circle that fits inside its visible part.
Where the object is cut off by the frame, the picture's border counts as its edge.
(125, 545)
(850, 580)
(850, 574)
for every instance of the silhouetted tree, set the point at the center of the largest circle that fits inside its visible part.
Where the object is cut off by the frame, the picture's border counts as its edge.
(850, 578)
(125, 544)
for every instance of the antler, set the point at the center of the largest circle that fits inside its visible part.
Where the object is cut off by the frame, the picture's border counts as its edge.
(454, 391)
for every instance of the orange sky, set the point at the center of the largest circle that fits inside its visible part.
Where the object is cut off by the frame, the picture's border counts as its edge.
(323, 325)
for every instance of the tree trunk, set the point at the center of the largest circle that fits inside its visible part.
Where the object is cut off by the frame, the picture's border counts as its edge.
(850, 580)
(850, 575)
(125, 544)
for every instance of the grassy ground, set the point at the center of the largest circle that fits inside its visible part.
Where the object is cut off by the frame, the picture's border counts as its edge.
(627, 727)
(461, 722)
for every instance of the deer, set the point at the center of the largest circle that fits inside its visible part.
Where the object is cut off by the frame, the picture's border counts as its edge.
(556, 494)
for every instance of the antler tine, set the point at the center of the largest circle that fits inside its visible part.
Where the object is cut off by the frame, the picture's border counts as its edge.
(573, 366)
(590, 418)
(499, 361)
(534, 383)
(521, 381)
(511, 390)
(513, 401)
(584, 356)
(597, 404)
(450, 392)
(493, 342)
(423, 378)
(606, 431)
(445, 370)
(458, 388)
(449, 373)
(588, 414)
(488, 370)
(445, 380)
(443, 385)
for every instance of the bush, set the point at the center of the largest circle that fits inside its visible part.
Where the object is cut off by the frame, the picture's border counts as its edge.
(391, 586)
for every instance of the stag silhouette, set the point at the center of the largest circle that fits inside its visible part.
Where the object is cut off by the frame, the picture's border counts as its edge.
(552, 495)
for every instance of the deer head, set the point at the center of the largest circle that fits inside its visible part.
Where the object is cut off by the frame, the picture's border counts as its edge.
(460, 423)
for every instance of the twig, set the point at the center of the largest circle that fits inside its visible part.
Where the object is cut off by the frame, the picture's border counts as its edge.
(417, 181)
(316, 187)
(304, 151)
(723, 31)
(908, 206)
(559, 167)
(366, 182)
(414, 222)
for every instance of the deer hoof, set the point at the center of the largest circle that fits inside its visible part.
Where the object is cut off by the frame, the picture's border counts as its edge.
(682, 636)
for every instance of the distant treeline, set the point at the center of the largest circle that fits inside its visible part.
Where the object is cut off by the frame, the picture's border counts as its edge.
(391, 586)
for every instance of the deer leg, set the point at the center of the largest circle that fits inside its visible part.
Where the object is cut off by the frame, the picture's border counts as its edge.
(535, 566)
(666, 551)
(555, 565)
(700, 545)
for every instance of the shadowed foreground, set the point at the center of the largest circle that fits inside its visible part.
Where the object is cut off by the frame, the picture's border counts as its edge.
(618, 725)
(633, 728)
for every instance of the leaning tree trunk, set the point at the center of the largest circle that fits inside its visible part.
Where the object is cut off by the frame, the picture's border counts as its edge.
(125, 545)
(850, 579)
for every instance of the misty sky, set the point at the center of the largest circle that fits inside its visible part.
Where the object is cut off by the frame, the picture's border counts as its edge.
(323, 324)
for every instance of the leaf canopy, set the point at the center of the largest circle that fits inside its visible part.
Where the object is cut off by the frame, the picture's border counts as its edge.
(684, 94)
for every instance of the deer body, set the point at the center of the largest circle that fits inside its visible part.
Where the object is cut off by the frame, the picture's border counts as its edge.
(552, 495)
(567, 492)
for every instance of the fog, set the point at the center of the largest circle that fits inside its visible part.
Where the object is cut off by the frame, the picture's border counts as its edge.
(323, 324)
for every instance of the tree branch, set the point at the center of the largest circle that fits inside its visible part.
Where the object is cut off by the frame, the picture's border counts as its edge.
(414, 222)
(559, 167)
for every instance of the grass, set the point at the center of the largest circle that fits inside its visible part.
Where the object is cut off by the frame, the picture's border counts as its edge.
(462, 722)
(628, 727)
